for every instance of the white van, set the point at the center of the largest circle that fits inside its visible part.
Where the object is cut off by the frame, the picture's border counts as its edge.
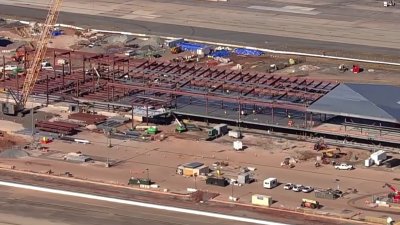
(270, 183)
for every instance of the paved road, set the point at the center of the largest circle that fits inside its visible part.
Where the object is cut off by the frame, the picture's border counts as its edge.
(122, 213)
(334, 26)
(34, 208)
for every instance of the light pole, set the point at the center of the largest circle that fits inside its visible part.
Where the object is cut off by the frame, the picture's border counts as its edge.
(232, 198)
(33, 124)
(148, 174)
(195, 181)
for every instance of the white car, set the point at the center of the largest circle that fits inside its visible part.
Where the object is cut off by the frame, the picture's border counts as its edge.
(344, 166)
(298, 188)
(288, 186)
(307, 189)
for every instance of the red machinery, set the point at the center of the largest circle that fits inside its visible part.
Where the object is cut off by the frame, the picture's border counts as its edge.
(395, 195)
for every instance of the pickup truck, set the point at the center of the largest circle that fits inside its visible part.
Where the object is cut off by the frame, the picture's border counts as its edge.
(344, 166)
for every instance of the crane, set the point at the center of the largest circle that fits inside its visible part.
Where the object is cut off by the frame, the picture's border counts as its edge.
(395, 195)
(33, 71)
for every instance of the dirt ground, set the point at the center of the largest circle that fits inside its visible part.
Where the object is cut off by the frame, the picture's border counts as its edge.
(8, 141)
(161, 158)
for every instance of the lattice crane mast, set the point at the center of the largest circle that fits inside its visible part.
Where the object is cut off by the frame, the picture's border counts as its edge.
(41, 47)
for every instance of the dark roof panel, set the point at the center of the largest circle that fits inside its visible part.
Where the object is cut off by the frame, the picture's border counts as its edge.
(368, 101)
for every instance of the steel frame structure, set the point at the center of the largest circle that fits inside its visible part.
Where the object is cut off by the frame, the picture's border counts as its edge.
(157, 83)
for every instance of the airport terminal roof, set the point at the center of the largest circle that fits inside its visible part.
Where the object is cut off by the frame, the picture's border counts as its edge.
(366, 101)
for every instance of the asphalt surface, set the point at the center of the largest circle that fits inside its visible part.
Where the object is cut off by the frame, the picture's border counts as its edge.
(23, 205)
(293, 43)
(61, 210)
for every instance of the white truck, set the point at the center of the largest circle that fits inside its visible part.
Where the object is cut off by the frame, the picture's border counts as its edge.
(344, 166)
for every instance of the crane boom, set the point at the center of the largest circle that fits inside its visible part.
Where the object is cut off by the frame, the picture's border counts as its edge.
(41, 48)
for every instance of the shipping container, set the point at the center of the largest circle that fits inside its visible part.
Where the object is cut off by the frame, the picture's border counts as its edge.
(222, 129)
(222, 182)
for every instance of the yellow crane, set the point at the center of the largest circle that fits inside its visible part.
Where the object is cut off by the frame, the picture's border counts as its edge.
(33, 71)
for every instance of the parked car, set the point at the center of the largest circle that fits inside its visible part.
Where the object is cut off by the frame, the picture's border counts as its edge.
(344, 166)
(288, 186)
(297, 188)
(307, 189)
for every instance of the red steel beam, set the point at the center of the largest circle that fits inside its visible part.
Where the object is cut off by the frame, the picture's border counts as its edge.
(213, 97)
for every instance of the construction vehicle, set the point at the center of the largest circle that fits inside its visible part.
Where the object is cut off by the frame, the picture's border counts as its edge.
(308, 203)
(152, 130)
(343, 68)
(176, 50)
(286, 163)
(32, 73)
(180, 127)
(331, 153)
(395, 195)
(320, 145)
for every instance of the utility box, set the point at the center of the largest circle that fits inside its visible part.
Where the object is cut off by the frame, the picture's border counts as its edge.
(222, 182)
(222, 129)
(368, 162)
(234, 134)
(244, 178)
(262, 200)
(237, 145)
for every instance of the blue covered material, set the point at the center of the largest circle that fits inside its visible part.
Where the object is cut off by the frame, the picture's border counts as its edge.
(245, 51)
(220, 53)
(190, 47)
(57, 33)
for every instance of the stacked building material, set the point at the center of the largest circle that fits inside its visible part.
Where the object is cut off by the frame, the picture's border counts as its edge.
(88, 118)
(57, 127)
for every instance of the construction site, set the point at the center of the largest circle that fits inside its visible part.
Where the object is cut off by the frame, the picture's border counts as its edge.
(188, 118)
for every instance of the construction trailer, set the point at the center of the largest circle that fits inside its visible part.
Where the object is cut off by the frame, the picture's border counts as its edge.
(378, 157)
(222, 129)
(261, 200)
(193, 169)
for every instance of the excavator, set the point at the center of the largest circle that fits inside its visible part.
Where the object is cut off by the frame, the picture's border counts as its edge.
(32, 73)
(395, 195)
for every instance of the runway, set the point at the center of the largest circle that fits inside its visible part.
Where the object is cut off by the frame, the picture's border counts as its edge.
(20, 205)
(34, 208)
(339, 27)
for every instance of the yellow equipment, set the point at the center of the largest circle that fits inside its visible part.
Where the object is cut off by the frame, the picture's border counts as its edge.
(331, 153)
(33, 71)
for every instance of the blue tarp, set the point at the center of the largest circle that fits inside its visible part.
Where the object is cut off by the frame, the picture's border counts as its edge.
(191, 47)
(245, 51)
(57, 33)
(220, 53)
